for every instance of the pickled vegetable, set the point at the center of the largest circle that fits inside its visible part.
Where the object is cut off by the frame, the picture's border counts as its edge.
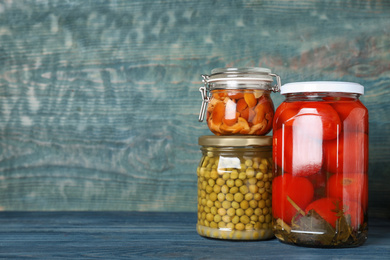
(234, 196)
(242, 112)
(321, 160)
(297, 189)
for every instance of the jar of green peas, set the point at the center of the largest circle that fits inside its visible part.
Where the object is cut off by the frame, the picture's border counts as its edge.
(234, 187)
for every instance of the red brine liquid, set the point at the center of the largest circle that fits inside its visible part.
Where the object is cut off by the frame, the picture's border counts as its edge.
(320, 153)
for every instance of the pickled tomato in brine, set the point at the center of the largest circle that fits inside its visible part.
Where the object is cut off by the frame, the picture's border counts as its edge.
(325, 142)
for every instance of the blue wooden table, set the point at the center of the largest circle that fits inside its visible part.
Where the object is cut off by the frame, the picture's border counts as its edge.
(150, 235)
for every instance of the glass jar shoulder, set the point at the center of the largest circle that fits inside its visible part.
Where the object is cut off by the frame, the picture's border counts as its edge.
(343, 111)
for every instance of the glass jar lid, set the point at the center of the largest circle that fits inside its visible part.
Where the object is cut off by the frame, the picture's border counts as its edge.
(241, 78)
(322, 86)
(234, 141)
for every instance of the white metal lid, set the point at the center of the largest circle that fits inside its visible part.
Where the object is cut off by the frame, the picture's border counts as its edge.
(322, 86)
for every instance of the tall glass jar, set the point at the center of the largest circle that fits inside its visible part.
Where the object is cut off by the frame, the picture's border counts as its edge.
(234, 187)
(320, 151)
(238, 101)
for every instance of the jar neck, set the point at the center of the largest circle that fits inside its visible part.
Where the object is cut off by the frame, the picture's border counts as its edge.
(234, 150)
(240, 85)
(322, 96)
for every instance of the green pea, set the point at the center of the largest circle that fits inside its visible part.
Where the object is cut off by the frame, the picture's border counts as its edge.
(244, 219)
(229, 197)
(259, 175)
(238, 197)
(217, 218)
(240, 212)
(235, 219)
(224, 189)
(240, 226)
(244, 204)
(238, 183)
(226, 219)
(233, 190)
(217, 188)
(230, 183)
(225, 176)
(226, 204)
(221, 197)
(244, 189)
(250, 172)
(249, 196)
(222, 212)
(234, 175)
(242, 175)
(209, 217)
(214, 174)
(249, 212)
(231, 212)
(248, 163)
(235, 204)
(261, 204)
(220, 181)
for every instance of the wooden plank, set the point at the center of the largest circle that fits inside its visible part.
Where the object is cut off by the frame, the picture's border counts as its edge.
(152, 235)
(99, 99)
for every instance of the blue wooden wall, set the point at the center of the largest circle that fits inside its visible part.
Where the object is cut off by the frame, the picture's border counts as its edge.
(99, 99)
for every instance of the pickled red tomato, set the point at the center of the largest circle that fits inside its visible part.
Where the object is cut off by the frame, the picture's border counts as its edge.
(317, 117)
(296, 152)
(319, 182)
(353, 114)
(353, 209)
(329, 209)
(347, 154)
(285, 114)
(298, 189)
(326, 208)
(349, 187)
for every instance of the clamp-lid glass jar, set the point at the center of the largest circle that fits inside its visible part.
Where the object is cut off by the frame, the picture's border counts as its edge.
(234, 187)
(320, 150)
(238, 101)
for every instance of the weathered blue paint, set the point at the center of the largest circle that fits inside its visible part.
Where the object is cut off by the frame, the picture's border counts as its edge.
(153, 235)
(99, 99)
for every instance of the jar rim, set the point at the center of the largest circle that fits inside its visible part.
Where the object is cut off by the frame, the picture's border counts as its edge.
(322, 86)
(234, 140)
(257, 70)
(240, 74)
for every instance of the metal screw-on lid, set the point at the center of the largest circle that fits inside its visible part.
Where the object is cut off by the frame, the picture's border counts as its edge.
(247, 74)
(322, 86)
(234, 141)
(233, 78)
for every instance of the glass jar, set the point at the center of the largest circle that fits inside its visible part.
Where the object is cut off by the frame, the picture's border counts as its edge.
(320, 151)
(238, 101)
(234, 187)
